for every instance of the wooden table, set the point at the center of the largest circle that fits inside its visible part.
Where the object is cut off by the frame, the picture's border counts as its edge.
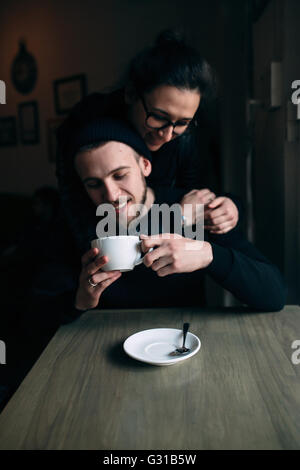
(240, 391)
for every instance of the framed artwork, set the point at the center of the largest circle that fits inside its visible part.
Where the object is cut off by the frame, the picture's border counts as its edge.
(29, 122)
(8, 131)
(51, 128)
(68, 91)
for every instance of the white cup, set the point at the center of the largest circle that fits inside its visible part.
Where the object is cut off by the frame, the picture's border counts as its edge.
(123, 252)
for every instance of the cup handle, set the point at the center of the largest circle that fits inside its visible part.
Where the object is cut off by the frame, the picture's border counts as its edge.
(140, 260)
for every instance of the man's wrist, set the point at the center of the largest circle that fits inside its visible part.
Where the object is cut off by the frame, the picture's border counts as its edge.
(203, 254)
(78, 307)
(208, 253)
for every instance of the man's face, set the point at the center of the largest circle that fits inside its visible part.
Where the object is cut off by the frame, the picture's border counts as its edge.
(112, 171)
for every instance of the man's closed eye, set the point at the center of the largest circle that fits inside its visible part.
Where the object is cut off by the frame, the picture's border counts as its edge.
(119, 176)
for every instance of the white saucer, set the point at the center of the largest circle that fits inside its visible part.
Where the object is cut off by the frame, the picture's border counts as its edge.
(156, 345)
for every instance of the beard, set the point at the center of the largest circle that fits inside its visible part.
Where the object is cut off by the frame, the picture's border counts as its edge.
(124, 221)
(144, 196)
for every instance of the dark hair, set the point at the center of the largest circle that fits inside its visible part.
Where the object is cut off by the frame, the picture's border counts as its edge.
(171, 61)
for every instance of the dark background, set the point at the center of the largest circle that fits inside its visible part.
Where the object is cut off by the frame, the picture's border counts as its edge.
(256, 147)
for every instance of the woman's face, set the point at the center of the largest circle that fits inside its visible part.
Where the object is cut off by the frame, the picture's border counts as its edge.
(165, 103)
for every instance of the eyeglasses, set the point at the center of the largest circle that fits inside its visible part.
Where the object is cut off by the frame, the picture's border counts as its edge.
(157, 122)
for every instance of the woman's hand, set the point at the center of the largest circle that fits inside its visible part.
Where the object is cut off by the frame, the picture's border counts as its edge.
(220, 213)
(173, 253)
(87, 295)
(190, 211)
(220, 216)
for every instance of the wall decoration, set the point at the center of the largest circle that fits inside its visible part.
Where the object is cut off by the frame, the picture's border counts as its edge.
(29, 122)
(24, 70)
(8, 131)
(68, 91)
(51, 128)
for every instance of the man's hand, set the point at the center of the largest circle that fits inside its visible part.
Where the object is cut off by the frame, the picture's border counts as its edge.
(88, 296)
(220, 216)
(173, 253)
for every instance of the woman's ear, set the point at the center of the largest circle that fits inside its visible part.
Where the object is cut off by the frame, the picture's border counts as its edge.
(145, 166)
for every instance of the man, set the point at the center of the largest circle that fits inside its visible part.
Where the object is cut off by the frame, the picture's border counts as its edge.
(110, 164)
(113, 163)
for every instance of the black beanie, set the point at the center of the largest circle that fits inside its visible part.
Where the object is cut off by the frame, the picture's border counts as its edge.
(107, 129)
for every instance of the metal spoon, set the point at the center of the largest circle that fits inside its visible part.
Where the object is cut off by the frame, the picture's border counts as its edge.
(183, 349)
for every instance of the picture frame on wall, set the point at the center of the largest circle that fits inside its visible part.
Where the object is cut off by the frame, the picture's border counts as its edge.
(8, 131)
(29, 122)
(51, 128)
(68, 91)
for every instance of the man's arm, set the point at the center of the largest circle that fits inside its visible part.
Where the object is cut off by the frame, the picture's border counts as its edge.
(241, 269)
(229, 259)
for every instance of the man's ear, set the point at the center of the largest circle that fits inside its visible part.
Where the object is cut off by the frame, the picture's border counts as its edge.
(145, 166)
(130, 94)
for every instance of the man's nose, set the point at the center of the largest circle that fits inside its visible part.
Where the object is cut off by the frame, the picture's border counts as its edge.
(111, 191)
(166, 134)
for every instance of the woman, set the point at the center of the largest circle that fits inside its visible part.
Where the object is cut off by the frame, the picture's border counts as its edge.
(168, 87)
